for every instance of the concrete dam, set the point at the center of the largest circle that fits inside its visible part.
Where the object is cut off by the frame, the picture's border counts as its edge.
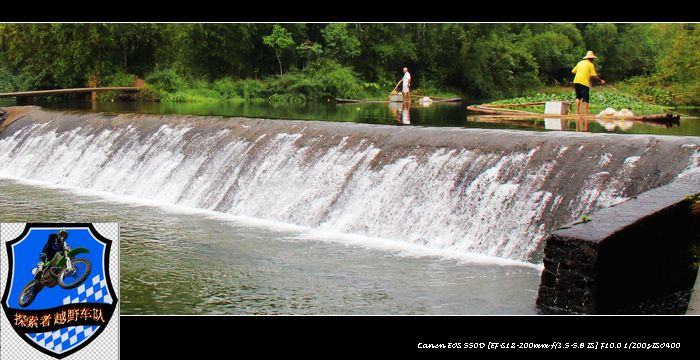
(494, 193)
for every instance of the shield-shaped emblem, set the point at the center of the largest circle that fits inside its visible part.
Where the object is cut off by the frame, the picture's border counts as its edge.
(64, 304)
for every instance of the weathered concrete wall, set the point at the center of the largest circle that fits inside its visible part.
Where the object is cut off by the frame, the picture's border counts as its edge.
(10, 114)
(485, 191)
(694, 304)
(635, 254)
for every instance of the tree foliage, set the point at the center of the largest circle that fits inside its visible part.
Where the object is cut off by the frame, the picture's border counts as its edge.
(481, 60)
(279, 40)
(341, 45)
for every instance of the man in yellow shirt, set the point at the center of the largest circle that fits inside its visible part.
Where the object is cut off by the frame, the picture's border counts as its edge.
(584, 71)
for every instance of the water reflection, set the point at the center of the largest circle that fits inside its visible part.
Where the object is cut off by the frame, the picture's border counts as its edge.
(452, 114)
(556, 124)
(425, 113)
(684, 126)
(582, 124)
(401, 111)
(425, 101)
(610, 124)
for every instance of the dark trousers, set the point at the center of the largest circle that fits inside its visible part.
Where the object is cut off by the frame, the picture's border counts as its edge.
(49, 256)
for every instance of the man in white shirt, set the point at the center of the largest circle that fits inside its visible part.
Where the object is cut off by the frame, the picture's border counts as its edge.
(406, 84)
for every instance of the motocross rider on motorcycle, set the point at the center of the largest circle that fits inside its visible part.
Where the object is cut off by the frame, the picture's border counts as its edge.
(54, 244)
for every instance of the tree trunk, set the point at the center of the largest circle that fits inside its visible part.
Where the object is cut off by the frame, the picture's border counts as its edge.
(279, 61)
(125, 56)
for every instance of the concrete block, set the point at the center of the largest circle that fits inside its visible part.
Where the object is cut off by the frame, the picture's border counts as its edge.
(555, 108)
(396, 98)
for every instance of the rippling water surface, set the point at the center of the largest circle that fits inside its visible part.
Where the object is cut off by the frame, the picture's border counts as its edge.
(176, 260)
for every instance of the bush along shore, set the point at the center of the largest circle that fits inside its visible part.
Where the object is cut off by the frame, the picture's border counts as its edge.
(326, 83)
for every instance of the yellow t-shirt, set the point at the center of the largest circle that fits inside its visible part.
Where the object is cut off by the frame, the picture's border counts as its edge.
(584, 70)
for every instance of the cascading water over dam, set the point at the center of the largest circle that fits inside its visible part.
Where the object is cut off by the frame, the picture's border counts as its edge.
(491, 192)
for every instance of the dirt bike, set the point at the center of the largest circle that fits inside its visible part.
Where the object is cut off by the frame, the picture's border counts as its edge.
(63, 269)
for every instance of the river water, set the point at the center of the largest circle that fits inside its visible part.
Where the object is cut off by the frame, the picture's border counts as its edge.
(178, 260)
(435, 114)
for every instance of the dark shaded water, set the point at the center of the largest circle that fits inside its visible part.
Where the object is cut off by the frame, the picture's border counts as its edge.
(435, 114)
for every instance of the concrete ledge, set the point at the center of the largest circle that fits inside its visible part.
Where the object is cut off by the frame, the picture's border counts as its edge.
(694, 304)
(10, 114)
(634, 253)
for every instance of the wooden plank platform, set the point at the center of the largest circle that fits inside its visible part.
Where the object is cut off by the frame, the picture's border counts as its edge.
(435, 100)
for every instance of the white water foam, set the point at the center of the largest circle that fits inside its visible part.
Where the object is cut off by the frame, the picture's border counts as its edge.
(293, 232)
(443, 200)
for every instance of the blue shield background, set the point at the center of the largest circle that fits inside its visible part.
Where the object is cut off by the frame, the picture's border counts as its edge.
(26, 256)
(93, 290)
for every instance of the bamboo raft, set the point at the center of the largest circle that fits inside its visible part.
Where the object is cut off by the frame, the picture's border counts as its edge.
(339, 100)
(435, 100)
(446, 100)
(504, 111)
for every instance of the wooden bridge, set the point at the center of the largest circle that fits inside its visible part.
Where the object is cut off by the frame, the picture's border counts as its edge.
(31, 94)
(66, 91)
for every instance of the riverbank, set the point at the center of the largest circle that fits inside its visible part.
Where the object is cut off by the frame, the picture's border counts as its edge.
(316, 83)
(323, 82)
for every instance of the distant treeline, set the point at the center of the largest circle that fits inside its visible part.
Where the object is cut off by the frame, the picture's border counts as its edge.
(317, 61)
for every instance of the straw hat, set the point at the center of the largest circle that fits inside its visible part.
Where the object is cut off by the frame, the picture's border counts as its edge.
(589, 55)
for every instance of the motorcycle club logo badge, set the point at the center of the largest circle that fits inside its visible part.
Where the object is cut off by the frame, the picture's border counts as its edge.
(58, 291)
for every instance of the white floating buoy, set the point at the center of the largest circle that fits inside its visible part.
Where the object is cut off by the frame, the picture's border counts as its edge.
(425, 101)
(624, 113)
(608, 112)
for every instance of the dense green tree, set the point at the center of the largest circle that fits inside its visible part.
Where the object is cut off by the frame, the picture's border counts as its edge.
(635, 53)
(310, 51)
(341, 45)
(602, 39)
(391, 49)
(494, 63)
(136, 44)
(680, 65)
(480, 60)
(555, 55)
(279, 40)
(70, 55)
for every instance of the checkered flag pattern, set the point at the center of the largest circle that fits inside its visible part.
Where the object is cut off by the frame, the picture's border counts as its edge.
(92, 290)
(63, 339)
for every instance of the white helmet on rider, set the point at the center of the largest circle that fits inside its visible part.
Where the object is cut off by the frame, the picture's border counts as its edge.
(62, 235)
